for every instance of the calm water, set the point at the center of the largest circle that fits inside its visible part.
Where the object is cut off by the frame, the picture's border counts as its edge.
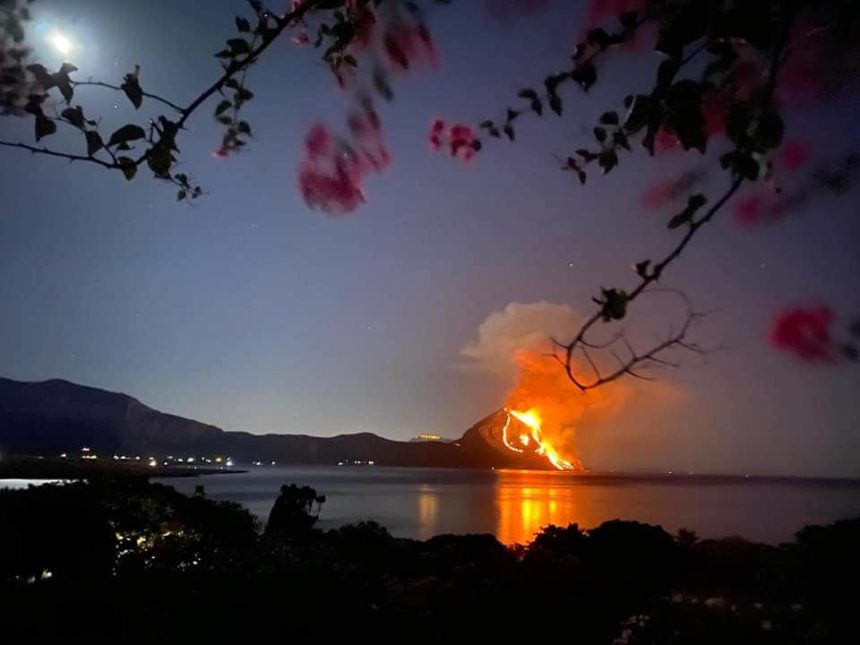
(420, 503)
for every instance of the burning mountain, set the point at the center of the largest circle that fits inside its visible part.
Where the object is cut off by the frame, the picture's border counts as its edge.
(542, 409)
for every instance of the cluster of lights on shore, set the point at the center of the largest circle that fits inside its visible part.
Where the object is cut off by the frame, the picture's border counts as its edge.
(170, 460)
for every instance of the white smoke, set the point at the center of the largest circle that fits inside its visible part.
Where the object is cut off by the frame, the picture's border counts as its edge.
(518, 327)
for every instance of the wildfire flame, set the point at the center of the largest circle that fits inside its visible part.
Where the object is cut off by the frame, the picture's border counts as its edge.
(531, 418)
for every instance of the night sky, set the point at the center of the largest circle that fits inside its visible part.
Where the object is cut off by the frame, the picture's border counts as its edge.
(252, 312)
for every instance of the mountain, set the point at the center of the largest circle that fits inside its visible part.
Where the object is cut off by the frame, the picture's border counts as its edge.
(55, 416)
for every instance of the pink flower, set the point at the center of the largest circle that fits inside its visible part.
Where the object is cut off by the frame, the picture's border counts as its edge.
(793, 155)
(750, 210)
(337, 191)
(437, 129)
(220, 153)
(318, 141)
(366, 130)
(666, 139)
(301, 39)
(459, 139)
(409, 46)
(331, 174)
(804, 332)
(800, 78)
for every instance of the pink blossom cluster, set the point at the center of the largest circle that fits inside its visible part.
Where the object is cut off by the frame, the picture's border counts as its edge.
(331, 174)
(459, 139)
(333, 170)
(805, 332)
(408, 45)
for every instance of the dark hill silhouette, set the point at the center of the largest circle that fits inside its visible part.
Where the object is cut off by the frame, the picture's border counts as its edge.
(50, 417)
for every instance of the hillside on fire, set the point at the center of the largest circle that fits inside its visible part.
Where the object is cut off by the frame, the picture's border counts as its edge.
(56, 417)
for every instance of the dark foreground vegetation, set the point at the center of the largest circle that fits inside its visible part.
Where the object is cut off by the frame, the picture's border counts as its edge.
(123, 560)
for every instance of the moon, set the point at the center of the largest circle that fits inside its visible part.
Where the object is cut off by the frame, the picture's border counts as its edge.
(61, 43)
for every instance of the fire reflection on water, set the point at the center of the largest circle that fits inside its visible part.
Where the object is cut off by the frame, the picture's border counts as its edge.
(526, 501)
(428, 511)
(515, 507)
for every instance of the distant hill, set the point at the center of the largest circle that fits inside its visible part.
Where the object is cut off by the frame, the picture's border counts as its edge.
(55, 416)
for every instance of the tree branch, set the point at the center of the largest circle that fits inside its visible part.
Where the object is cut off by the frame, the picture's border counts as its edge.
(154, 97)
(55, 153)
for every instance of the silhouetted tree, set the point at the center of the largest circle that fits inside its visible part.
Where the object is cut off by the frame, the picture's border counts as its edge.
(295, 512)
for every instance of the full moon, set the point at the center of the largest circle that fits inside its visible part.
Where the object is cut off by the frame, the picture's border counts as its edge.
(60, 42)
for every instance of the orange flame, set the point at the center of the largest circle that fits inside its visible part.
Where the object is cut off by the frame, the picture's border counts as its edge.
(531, 418)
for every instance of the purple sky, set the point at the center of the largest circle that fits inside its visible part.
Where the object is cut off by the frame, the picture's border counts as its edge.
(251, 312)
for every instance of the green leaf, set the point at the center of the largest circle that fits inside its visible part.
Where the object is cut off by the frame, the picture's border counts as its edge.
(133, 91)
(129, 169)
(244, 127)
(738, 121)
(242, 24)
(94, 142)
(614, 303)
(555, 104)
(243, 94)
(238, 46)
(620, 140)
(684, 114)
(608, 160)
(585, 74)
(75, 116)
(223, 106)
(159, 160)
(527, 93)
(44, 127)
(694, 203)
(125, 134)
(609, 118)
(41, 74)
(587, 155)
(65, 86)
(600, 134)
(509, 131)
(641, 268)
(181, 195)
(599, 38)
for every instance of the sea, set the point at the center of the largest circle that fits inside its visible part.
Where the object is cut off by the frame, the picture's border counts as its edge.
(515, 504)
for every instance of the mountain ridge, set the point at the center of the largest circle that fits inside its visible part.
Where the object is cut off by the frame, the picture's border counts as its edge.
(57, 415)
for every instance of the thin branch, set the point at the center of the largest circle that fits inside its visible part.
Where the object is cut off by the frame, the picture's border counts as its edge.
(55, 153)
(154, 97)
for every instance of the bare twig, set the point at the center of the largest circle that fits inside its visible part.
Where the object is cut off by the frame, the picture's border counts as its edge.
(154, 97)
(55, 153)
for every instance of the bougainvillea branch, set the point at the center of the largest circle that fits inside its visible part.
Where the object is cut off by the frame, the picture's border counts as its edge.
(753, 139)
